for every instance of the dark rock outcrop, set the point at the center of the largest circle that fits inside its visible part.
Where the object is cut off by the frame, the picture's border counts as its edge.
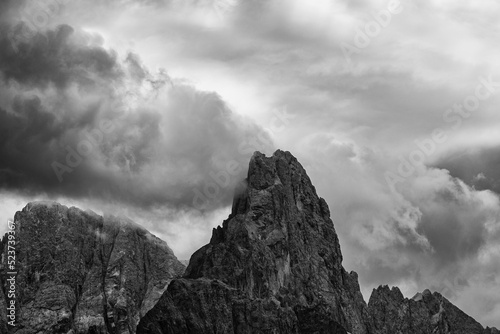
(275, 266)
(81, 273)
(426, 313)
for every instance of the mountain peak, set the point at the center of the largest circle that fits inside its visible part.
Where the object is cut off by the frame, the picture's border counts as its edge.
(278, 179)
(265, 171)
(425, 313)
(279, 206)
(277, 248)
(83, 273)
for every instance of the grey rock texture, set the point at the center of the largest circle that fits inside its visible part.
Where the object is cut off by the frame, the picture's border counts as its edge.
(275, 266)
(426, 313)
(81, 273)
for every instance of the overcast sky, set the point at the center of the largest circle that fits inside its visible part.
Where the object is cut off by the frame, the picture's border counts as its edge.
(152, 109)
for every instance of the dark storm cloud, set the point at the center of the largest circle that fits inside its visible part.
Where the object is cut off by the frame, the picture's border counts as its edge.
(52, 57)
(479, 167)
(76, 121)
(455, 222)
(23, 136)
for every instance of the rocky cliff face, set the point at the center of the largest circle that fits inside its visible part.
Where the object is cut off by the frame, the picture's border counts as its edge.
(275, 266)
(426, 313)
(81, 273)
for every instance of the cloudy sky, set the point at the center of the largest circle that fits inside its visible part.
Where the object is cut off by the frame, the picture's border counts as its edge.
(152, 108)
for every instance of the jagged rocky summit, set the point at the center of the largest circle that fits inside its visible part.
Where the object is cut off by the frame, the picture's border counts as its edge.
(81, 273)
(274, 266)
(425, 313)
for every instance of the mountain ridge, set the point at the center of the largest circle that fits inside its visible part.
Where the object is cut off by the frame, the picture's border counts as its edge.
(273, 266)
(426, 312)
(78, 271)
(216, 264)
(279, 250)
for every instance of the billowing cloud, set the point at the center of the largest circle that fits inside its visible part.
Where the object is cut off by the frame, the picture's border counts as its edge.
(77, 120)
(434, 231)
(477, 166)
